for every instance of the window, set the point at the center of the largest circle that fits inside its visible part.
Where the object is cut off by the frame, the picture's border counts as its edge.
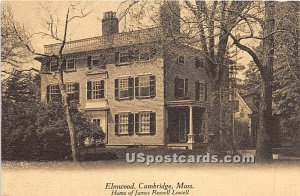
(95, 61)
(145, 55)
(124, 88)
(124, 57)
(200, 91)
(95, 89)
(53, 93)
(124, 124)
(145, 86)
(181, 87)
(145, 123)
(96, 121)
(72, 89)
(53, 66)
(127, 56)
(70, 64)
(180, 59)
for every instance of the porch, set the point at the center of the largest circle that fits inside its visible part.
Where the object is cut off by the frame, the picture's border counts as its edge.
(186, 124)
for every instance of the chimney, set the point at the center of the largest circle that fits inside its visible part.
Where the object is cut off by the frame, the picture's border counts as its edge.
(170, 17)
(110, 24)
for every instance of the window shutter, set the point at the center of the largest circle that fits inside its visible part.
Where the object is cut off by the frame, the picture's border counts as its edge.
(137, 128)
(130, 124)
(152, 123)
(77, 92)
(89, 62)
(205, 91)
(137, 90)
(152, 53)
(152, 86)
(59, 93)
(64, 64)
(130, 55)
(46, 67)
(89, 90)
(116, 89)
(117, 57)
(136, 55)
(176, 85)
(48, 94)
(197, 90)
(186, 87)
(131, 87)
(117, 124)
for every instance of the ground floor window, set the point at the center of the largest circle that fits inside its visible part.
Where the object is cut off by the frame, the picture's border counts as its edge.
(53, 93)
(124, 124)
(72, 89)
(145, 123)
(97, 122)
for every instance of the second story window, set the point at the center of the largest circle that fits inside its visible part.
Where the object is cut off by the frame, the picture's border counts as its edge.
(181, 87)
(70, 65)
(200, 91)
(53, 66)
(53, 93)
(145, 86)
(124, 88)
(95, 89)
(72, 89)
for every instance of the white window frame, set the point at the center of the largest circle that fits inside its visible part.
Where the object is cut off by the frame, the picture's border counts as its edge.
(144, 122)
(67, 65)
(124, 54)
(184, 85)
(144, 52)
(144, 85)
(97, 121)
(96, 92)
(52, 65)
(53, 91)
(123, 87)
(202, 91)
(123, 123)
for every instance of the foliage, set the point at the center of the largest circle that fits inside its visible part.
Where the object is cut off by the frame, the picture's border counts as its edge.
(35, 131)
(13, 51)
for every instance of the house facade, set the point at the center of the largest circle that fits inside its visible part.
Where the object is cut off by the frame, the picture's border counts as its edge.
(137, 88)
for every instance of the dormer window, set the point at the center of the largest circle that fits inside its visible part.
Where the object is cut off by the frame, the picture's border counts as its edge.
(180, 60)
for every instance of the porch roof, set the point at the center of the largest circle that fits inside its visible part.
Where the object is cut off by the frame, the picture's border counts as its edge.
(186, 103)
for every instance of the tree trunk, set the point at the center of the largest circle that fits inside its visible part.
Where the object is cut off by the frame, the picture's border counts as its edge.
(73, 137)
(264, 136)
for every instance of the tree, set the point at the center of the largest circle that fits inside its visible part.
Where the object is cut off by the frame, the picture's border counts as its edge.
(73, 11)
(203, 26)
(13, 51)
(286, 69)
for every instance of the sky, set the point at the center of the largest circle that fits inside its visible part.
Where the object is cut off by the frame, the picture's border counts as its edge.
(31, 14)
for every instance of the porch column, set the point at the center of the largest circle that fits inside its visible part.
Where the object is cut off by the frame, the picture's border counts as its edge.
(191, 140)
